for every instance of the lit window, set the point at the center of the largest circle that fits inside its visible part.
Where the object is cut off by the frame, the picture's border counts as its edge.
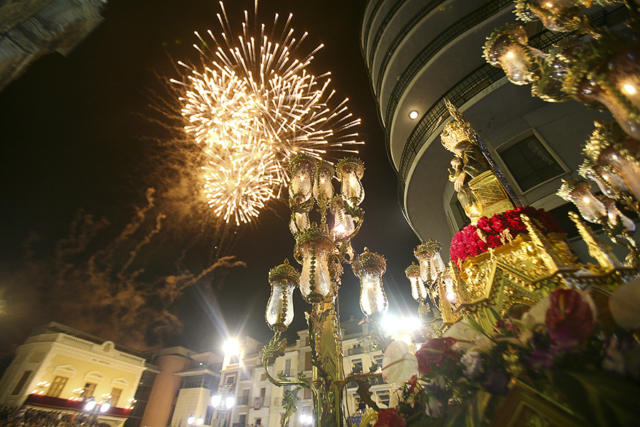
(530, 162)
(115, 396)
(87, 390)
(56, 386)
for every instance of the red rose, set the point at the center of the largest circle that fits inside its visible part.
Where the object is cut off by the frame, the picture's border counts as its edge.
(569, 317)
(389, 418)
(494, 241)
(434, 352)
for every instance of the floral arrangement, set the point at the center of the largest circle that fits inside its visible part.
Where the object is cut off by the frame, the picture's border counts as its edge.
(558, 348)
(496, 231)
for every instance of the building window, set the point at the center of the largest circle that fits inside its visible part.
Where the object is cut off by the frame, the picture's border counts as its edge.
(377, 359)
(242, 420)
(530, 162)
(115, 396)
(287, 367)
(383, 398)
(258, 421)
(306, 393)
(20, 385)
(88, 390)
(356, 365)
(244, 399)
(230, 380)
(192, 382)
(263, 377)
(56, 386)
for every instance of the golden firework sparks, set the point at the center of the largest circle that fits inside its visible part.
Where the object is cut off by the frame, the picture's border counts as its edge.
(253, 105)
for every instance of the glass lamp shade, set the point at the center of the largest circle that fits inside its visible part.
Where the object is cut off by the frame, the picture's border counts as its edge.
(369, 268)
(426, 256)
(302, 175)
(299, 222)
(350, 172)
(283, 279)
(449, 288)
(508, 49)
(323, 187)
(418, 290)
(590, 92)
(591, 171)
(556, 15)
(612, 179)
(343, 225)
(579, 193)
(436, 264)
(191, 420)
(312, 251)
(609, 146)
(616, 217)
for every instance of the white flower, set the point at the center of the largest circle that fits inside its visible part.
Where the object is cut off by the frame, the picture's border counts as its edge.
(624, 304)
(398, 363)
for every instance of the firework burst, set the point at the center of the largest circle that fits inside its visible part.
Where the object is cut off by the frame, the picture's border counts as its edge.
(253, 105)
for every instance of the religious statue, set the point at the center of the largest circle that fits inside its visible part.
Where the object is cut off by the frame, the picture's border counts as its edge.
(479, 191)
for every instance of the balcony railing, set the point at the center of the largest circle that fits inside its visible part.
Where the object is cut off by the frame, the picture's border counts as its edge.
(243, 400)
(355, 350)
(443, 39)
(74, 405)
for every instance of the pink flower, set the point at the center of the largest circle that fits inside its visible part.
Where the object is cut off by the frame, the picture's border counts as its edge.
(569, 316)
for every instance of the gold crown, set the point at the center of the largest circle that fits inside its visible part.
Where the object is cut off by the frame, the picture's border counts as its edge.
(454, 133)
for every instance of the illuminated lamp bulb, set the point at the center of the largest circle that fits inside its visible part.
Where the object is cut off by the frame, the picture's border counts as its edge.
(323, 187)
(105, 407)
(436, 263)
(312, 251)
(449, 288)
(418, 290)
(369, 268)
(344, 225)
(350, 172)
(200, 421)
(302, 171)
(90, 405)
(283, 279)
(425, 254)
(230, 401)
(191, 420)
(216, 399)
(413, 115)
(630, 89)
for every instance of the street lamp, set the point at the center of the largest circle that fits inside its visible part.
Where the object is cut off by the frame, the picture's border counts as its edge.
(191, 419)
(322, 248)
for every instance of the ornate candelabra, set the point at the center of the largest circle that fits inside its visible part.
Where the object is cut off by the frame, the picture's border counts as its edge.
(600, 69)
(322, 250)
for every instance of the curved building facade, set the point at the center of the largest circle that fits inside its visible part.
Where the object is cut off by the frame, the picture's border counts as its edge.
(420, 52)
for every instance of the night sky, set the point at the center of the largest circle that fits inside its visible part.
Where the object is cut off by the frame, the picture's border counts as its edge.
(80, 137)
